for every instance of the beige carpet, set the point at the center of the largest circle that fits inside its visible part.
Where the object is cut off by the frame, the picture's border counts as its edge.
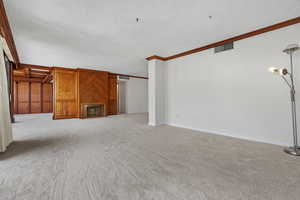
(121, 158)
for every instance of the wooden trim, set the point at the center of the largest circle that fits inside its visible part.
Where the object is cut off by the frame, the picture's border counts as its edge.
(17, 96)
(29, 101)
(23, 66)
(6, 32)
(57, 117)
(12, 92)
(54, 96)
(91, 70)
(156, 57)
(42, 97)
(77, 95)
(233, 39)
(81, 69)
(47, 78)
(142, 77)
(33, 73)
(22, 78)
(64, 68)
(12, 86)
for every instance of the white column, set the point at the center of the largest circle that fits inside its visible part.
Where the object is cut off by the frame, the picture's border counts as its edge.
(156, 92)
(5, 123)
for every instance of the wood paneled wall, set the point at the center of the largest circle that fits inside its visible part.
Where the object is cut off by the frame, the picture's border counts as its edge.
(93, 86)
(65, 93)
(22, 93)
(36, 98)
(32, 97)
(47, 97)
(112, 95)
(72, 88)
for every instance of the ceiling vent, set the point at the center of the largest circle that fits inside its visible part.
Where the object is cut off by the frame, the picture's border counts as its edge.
(123, 78)
(224, 47)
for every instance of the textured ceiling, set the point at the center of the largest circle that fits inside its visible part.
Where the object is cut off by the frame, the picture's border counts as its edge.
(104, 35)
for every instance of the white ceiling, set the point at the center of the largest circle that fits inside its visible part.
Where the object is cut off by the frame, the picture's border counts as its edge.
(105, 35)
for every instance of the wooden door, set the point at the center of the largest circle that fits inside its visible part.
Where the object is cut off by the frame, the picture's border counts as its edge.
(65, 93)
(47, 97)
(35, 97)
(23, 97)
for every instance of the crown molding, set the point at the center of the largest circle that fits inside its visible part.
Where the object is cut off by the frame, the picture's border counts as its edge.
(6, 33)
(23, 66)
(155, 57)
(142, 77)
(233, 39)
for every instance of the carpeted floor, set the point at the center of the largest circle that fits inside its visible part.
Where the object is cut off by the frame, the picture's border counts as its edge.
(121, 158)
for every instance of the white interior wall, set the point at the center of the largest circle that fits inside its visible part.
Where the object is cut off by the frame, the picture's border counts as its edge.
(232, 92)
(5, 123)
(151, 92)
(160, 92)
(137, 95)
(156, 89)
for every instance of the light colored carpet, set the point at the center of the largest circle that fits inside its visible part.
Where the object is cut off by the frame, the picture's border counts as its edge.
(121, 158)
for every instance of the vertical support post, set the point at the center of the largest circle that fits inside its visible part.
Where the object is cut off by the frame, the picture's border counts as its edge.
(156, 92)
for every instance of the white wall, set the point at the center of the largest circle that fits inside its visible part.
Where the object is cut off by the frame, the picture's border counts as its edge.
(157, 97)
(160, 92)
(137, 95)
(232, 92)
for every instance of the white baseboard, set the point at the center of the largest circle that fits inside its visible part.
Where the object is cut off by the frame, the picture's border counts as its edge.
(157, 124)
(227, 134)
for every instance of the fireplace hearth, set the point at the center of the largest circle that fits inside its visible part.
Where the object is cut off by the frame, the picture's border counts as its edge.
(92, 110)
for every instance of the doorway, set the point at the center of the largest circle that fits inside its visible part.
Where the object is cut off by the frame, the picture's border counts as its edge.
(122, 88)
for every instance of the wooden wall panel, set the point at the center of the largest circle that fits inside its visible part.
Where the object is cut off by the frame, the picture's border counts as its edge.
(47, 98)
(15, 97)
(32, 97)
(113, 87)
(65, 93)
(93, 87)
(113, 107)
(112, 95)
(35, 98)
(23, 97)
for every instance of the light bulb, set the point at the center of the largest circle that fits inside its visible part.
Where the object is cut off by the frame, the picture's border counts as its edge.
(274, 69)
(279, 71)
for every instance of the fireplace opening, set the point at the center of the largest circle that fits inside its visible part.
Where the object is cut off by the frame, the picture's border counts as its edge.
(93, 110)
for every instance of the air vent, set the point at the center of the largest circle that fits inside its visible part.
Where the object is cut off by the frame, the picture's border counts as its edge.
(124, 78)
(224, 47)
